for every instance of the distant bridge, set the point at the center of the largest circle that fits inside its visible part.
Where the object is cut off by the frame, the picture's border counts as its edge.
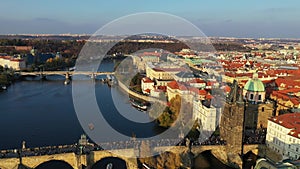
(45, 73)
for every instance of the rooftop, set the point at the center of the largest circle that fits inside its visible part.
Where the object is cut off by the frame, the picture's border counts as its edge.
(289, 121)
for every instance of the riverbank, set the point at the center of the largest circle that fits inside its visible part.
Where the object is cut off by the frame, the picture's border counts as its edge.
(137, 95)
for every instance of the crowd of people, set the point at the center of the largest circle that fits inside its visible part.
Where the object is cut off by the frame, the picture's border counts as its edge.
(250, 137)
(255, 137)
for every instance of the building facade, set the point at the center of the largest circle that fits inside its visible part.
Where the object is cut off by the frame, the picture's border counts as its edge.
(208, 116)
(13, 63)
(283, 135)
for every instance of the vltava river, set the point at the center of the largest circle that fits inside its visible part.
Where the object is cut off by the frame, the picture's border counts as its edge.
(42, 112)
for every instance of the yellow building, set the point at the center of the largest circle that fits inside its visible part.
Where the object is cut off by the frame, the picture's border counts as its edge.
(9, 62)
(286, 99)
(162, 71)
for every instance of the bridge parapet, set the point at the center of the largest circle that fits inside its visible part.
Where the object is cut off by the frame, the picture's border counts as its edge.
(9, 163)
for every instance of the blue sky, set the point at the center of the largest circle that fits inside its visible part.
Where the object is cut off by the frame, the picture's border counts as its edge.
(237, 18)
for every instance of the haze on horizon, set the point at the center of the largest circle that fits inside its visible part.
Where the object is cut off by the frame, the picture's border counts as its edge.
(255, 19)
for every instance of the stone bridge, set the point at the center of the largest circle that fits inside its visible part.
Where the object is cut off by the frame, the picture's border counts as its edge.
(74, 160)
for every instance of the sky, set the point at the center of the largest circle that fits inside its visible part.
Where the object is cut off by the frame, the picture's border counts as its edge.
(226, 18)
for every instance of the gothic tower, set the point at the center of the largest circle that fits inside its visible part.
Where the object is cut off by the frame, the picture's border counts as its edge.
(232, 120)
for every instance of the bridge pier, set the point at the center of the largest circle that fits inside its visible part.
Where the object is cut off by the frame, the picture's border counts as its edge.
(42, 76)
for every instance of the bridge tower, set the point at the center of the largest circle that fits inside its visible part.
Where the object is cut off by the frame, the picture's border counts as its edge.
(232, 122)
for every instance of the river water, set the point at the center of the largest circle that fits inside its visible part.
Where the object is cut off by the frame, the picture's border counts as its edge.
(41, 113)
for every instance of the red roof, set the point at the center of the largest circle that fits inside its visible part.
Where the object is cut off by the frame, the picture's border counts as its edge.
(208, 96)
(173, 85)
(290, 121)
(202, 92)
(227, 89)
(147, 90)
(288, 94)
(147, 80)
(159, 69)
(197, 80)
(162, 88)
(288, 81)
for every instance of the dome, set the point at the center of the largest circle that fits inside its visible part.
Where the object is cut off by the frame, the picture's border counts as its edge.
(254, 84)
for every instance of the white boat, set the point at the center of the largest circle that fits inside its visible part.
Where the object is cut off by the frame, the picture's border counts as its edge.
(109, 166)
(138, 105)
(67, 82)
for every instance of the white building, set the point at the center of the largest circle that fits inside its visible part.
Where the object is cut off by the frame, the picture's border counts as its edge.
(142, 59)
(10, 62)
(283, 135)
(207, 115)
(147, 85)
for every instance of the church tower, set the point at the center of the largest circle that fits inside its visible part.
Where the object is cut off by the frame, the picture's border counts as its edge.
(258, 109)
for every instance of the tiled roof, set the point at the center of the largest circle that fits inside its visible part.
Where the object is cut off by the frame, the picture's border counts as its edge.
(147, 80)
(160, 69)
(290, 121)
(173, 85)
(197, 80)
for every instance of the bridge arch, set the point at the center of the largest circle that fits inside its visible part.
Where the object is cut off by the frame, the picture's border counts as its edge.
(130, 162)
(3, 167)
(34, 162)
(54, 164)
(115, 161)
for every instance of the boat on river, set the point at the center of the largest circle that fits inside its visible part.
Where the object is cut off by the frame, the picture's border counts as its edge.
(138, 105)
(109, 166)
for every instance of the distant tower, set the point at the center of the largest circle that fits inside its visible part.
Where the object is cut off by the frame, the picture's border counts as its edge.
(23, 145)
(58, 55)
(35, 55)
(83, 141)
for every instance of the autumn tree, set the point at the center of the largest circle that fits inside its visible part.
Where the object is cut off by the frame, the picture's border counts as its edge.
(146, 154)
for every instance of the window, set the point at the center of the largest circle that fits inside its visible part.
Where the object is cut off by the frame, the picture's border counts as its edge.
(251, 96)
(259, 97)
(263, 109)
(297, 149)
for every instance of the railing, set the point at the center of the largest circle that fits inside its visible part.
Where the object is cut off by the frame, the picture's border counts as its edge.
(85, 149)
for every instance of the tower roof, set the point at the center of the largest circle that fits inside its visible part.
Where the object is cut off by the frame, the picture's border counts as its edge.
(254, 84)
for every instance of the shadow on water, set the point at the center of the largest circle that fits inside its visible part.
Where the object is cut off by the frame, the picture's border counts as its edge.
(54, 164)
(206, 160)
(115, 162)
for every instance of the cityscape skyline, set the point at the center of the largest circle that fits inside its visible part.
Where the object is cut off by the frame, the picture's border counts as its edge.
(267, 19)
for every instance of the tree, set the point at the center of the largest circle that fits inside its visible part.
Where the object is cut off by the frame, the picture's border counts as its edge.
(146, 154)
(168, 160)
